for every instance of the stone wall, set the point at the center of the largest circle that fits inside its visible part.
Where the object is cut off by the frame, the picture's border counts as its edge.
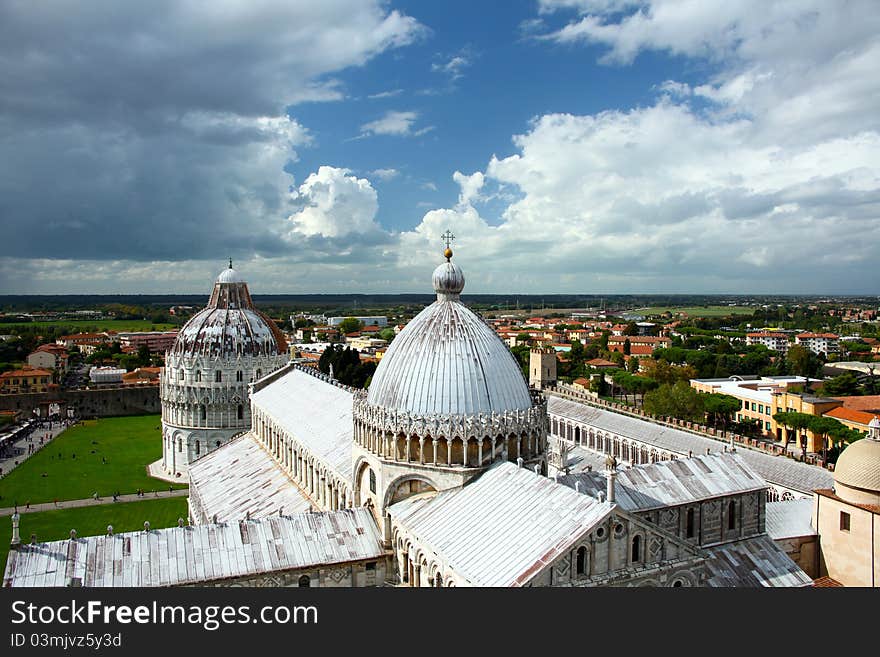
(95, 402)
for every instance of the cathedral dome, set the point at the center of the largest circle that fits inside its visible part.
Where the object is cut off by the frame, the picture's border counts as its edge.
(448, 361)
(230, 326)
(858, 466)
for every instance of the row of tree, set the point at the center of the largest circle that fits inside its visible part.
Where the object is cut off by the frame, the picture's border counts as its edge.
(826, 428)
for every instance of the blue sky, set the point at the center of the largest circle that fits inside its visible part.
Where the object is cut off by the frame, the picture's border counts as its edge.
(577, 146)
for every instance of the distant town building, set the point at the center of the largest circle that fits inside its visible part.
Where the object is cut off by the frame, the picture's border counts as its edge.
(819, 343)
(158, 342)
(27, 379)
(638, 345)
(106, 375)
(542, 368)
(49, 357)
(771, 340)
(378, 320)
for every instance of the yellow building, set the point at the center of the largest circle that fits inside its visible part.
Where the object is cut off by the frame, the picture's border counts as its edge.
(26, 379)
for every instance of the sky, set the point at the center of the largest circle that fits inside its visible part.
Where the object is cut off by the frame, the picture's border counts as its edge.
(572, 146)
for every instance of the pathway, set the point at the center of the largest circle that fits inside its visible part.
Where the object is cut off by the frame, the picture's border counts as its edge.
(89, 501)
(20, 447)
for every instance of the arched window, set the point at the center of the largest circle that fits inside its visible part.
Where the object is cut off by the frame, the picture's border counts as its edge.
(636, 549)
(259, 374)
(240, 412)
(239, 376)
(203, 412)
(372, 481)
(438, 581)
(198, 375)
(179, 445)
(731, 515)
(689, 524)
(197, 448)
(305, 581)
(581, 561)
(218, 376)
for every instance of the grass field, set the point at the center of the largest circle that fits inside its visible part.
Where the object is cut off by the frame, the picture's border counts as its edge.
(128, 444)
(697, 311)
(100, 324)
(89, 521)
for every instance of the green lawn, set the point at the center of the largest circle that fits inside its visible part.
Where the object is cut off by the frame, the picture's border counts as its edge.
(128, 444)
(85, 325)
(90, 521)
(697, 311)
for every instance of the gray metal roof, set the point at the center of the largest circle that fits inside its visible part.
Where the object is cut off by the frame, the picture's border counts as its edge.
(581, 459)
(199, 554)
(790, 519)
(778, 470)
(447, 361)
(753, 562)
(670, 483)
(502, 528)
(315, 412)
(241, 478)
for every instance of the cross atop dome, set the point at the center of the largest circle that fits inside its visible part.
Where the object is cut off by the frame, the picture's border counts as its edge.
(230, 263)
(447, 237)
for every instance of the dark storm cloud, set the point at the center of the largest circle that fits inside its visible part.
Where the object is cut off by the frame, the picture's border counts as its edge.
(158, 130)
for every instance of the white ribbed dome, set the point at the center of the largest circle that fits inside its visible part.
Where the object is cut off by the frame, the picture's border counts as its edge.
(447, 361)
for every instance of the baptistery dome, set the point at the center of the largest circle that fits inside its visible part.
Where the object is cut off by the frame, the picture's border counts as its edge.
(230, 325)
(448, 361)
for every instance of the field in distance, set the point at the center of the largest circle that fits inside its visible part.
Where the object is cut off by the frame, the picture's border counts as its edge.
(696, 311)
(106, 455)
(87, 325)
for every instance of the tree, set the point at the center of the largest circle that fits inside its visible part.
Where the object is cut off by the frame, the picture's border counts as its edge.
(633, 364)
(631, 329)
(627, 348)
(794, 423)
(387, 334)
(677, 400)
(719, 408)
(801, 361)
(350, 325)
(842, 386)
(823, 426)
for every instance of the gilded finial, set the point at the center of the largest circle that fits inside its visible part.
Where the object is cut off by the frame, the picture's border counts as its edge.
(447, 237)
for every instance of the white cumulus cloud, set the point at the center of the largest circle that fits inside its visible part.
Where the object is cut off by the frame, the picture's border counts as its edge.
(334, 203)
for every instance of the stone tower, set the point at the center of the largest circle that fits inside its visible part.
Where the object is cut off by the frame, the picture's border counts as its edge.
(542, 367)
(204, 384)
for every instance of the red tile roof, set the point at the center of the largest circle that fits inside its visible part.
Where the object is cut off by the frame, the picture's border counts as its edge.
(849, 415)
(868, 403)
